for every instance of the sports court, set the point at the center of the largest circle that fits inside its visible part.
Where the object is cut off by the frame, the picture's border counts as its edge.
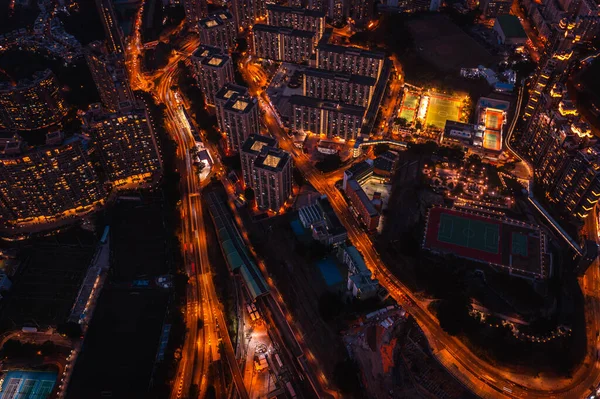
(492, 140)
(411, 100)
(518, 244)
(440, 110)
(494, 119)
(18, 384)
(408, 110)
(469, 233)
(503, 242)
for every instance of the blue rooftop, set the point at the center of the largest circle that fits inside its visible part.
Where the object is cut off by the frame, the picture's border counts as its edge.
(330, 272)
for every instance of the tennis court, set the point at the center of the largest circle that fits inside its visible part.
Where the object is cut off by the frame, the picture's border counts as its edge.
(469, 233)
(519, 244)
(506, 243)
(491, 140)
(440, 110)
(494, 119)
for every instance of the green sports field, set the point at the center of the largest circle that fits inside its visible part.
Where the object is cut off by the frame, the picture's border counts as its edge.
(469, 233)
(440, 110)
(410, 101)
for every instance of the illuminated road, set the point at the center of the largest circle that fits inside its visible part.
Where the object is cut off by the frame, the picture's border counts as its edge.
(201, 344)
(484, 379)
(213, 318)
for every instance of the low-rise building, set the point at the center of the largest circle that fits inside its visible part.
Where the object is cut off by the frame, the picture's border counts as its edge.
(509, 30)
(360, 279)
(385, 164)
(323, 222)
(465, 134)
(362, 205)
(360, 171)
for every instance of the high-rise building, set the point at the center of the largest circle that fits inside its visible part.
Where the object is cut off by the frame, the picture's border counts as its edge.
(112, 29)
(110, 77)
(250, 150)
(338, 11)
(361, 12)
(33, 103)
(46, 183)
(343, 87)
(213, 70)
(195, 10)
(493, 8)
(226, 92)
(553, 66)
(248, 12)
(587, 21)
(239, 118)
(126, 145)
(218, 30)
(297, 18)
(330, 118)
(566, 160)
(282, 44)
(272, 178)
(352, 60)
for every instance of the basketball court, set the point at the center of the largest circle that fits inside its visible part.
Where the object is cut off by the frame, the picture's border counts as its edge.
(440, 110)
(469, 233)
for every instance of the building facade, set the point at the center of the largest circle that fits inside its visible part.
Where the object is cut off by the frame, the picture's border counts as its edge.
(212, 70)
(218, 30)
(110, 77)
(282, 44)
(126, 146)
(110, 23)
(362, 205)
(249, 151)
(33, 103)
(49, 182)
(240, 120)
(342, 87)
(195, 10)
(330, 118)
(350, 60)
(494, 8)
(297, 18)
(227, 92)
(272, 178)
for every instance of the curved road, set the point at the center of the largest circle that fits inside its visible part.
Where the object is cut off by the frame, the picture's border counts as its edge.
(484, 379)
